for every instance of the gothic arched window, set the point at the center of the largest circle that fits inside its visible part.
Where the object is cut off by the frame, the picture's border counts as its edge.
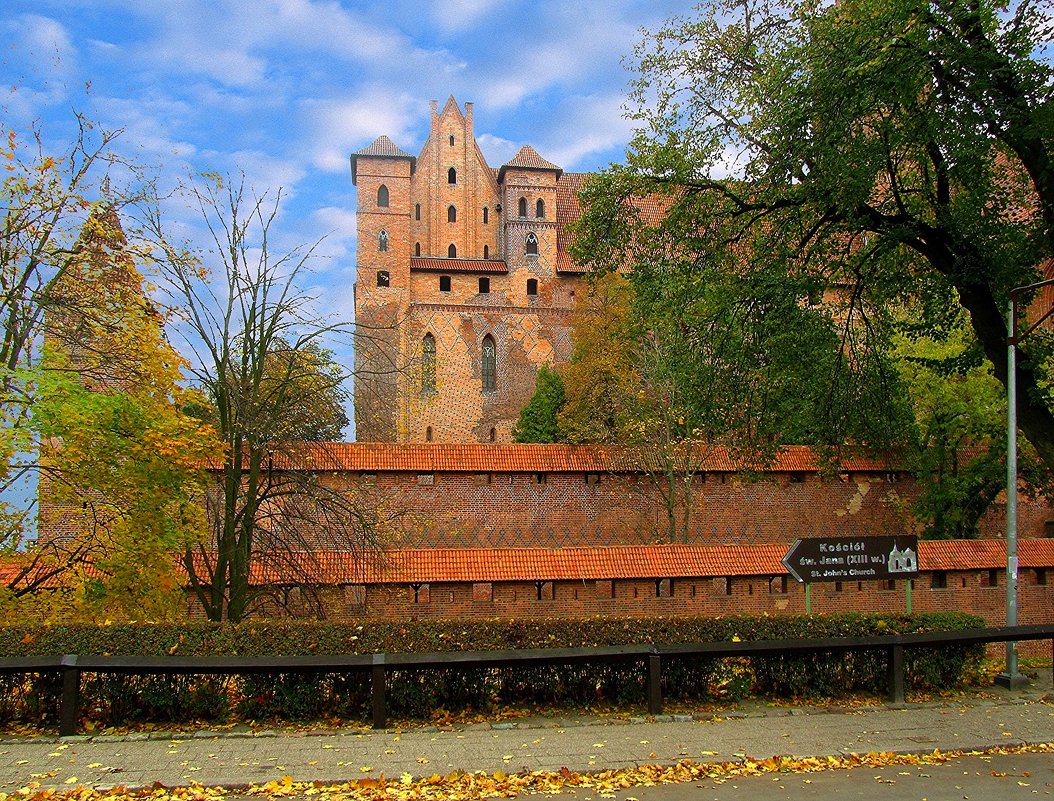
(451, 214)
(382, 196)
(539, 209)
(428, 365)
(417, 211)
(451, 252)
(531, 244)
(489, 367)
(523, 207)
(486, 251)
(451, 176)
(486, 215)
(417, 248)
(382, 241)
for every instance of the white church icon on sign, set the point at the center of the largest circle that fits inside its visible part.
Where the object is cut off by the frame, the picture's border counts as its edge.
(903, 561)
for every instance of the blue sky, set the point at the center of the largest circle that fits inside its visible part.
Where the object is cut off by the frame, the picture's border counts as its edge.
(284, 90)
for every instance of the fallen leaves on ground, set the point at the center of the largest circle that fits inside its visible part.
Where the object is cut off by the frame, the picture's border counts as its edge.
(463, 786)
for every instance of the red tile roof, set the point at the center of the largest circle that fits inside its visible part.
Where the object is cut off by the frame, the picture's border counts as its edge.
(465, 565)
(438, 265)
(982, 554)
(382, 147)
(569, 209)
(528, 159)
(515, 458)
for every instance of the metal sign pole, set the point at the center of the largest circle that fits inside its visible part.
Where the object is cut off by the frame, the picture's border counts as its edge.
(1010, 676)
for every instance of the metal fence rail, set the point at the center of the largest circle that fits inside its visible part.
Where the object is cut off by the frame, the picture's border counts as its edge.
(650, 657)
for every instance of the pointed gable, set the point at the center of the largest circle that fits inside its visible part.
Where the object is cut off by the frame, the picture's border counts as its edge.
(382, 148)
(528, 159)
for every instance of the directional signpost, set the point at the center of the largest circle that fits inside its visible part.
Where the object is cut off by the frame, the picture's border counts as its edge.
(852, 559)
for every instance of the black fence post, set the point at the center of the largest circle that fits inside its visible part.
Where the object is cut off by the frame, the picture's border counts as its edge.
(895, 673)
(71, 692)
(654, 684)
(378, 687)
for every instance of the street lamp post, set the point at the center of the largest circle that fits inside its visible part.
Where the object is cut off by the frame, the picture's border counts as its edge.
(1010, 677)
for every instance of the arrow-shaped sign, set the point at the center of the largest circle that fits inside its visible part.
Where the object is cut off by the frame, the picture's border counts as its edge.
(852, 558)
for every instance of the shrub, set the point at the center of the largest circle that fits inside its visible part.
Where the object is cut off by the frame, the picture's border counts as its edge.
(114, 699)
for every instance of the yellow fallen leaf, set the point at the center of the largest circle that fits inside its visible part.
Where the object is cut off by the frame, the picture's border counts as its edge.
(71, 780)
(366, 768)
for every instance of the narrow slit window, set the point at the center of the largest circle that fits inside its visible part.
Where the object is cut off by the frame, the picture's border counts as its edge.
(486, 215)
(417, 248)
(428, 365)
(417, 211)
(489, 364)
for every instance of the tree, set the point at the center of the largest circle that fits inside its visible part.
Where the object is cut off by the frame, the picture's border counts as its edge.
(537, 421)
(121, 466)
(259, 356)
(889, 152)
(599, 380)
(960, 453)
(46, 199)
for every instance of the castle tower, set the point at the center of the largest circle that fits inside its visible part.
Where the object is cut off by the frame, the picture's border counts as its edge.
(475, 302)
(382, 173)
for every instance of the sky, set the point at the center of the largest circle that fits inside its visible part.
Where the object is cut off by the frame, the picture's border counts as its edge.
(285, 90)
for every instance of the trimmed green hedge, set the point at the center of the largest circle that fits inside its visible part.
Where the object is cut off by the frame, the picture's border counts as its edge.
(112, 699)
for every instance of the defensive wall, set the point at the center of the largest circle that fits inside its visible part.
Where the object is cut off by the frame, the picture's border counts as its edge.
(544, 531)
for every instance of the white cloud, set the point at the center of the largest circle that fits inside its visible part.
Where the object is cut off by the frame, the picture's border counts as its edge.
(241, 42)
(337, 127)
(452, 16)
(45, 59)
(150, 126)
(583, 126)
(495, 149)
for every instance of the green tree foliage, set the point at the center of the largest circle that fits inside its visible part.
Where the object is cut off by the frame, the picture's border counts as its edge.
(537, 421)
(888, 153)
(960, 411)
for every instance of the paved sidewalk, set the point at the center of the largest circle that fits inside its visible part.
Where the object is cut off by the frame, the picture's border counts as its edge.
(540, 744)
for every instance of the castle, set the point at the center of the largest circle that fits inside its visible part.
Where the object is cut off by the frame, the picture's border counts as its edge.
(465, 286)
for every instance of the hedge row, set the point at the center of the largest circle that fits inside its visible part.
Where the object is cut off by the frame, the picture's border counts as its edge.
(111, 699)
(305, 638)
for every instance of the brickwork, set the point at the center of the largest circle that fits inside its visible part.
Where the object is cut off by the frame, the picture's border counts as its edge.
(448, 208)
(499, 509)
